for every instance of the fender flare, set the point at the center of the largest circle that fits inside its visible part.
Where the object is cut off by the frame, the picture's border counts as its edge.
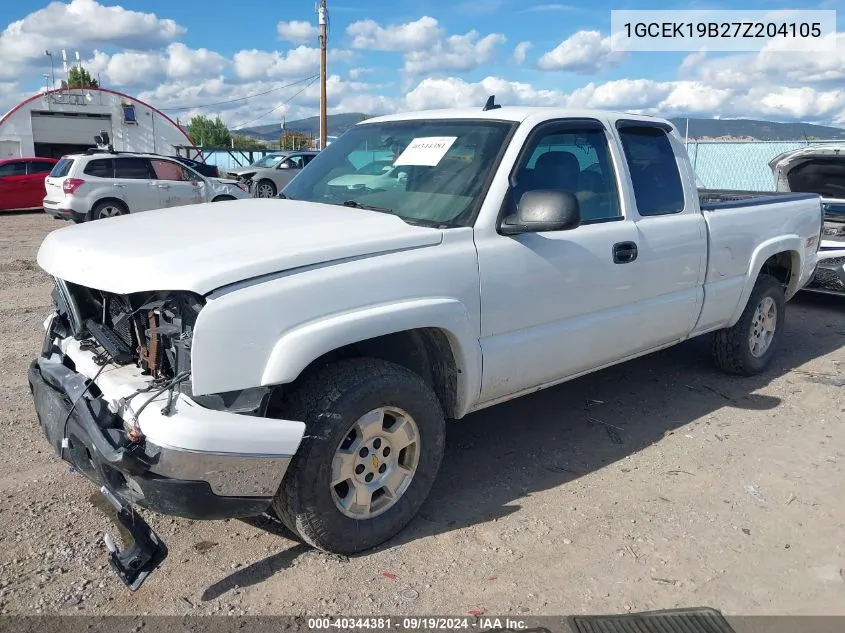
(301, 345)
(791, 244)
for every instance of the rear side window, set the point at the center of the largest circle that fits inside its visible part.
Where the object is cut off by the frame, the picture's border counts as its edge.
(100, 168)
(40, 168)
(654, 170)
(13, 169)
(165, 170)
(133, 168)
(62, 168)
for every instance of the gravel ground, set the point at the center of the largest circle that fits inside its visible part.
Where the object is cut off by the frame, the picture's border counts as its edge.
(656, 484)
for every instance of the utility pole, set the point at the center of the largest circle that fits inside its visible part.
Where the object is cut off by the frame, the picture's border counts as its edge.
(322, 14)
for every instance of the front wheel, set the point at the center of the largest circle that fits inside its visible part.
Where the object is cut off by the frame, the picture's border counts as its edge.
(748, 347)
(373, 445)
(265, 189)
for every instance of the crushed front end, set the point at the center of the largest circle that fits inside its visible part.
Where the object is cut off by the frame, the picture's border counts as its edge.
(112, 391)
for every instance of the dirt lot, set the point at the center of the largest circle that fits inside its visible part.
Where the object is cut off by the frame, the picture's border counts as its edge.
(681, 487)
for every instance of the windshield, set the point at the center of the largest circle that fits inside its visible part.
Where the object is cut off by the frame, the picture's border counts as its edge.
(271, 160)
(426, 172)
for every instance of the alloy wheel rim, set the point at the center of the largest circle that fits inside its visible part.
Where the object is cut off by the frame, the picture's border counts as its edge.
(265, 191)
(374, 464)
(109, 211)
(763, 326)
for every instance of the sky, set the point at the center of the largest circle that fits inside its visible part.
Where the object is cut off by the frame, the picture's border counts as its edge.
(262, 56)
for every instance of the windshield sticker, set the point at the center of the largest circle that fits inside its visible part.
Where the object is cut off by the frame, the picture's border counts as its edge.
(426, 151)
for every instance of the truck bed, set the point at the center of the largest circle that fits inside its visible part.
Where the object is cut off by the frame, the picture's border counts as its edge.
(715, 199)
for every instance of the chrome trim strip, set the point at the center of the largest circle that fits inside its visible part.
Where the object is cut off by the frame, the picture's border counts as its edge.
(228, 474)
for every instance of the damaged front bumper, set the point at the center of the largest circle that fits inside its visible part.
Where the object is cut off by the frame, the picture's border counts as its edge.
(189, 461)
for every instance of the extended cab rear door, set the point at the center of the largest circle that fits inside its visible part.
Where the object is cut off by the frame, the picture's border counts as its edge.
(557, 304)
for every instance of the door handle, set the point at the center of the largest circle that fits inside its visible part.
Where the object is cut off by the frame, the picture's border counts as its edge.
(624, 252)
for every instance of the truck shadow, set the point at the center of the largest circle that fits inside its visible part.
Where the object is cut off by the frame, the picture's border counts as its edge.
(548, 439)
(545, 440)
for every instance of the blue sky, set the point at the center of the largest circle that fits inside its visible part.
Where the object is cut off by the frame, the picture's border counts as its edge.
(405, 54)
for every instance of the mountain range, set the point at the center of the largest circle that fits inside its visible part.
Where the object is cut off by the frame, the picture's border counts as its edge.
(698, 128)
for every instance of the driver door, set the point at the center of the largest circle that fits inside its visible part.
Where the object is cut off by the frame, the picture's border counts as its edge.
(176, 185)
(559, 303)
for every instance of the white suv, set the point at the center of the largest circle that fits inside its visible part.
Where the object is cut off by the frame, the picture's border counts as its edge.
(101, 184)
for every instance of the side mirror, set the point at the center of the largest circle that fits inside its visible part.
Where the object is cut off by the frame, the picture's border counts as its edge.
(543, 210)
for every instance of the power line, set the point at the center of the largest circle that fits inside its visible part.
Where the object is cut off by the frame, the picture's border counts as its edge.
(285, 102)
(257, 94)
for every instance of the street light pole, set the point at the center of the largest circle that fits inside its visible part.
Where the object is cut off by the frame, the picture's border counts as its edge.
(322, 15)
(52, 73)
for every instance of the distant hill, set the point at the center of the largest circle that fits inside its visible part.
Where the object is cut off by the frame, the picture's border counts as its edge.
(698, 128)
(758, 130)
(337, 124)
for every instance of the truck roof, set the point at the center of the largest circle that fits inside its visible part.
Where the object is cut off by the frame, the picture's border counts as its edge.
(515, 113)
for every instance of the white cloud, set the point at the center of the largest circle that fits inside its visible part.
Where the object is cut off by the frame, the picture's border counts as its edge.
(297, 62)
(79, 24)
(426, 46)
(660, 98)
(139, 68)
(521, 51)
(550, 7)
(297, 31)
(456, 52)
(356, 73)
(584, 52)
(369, 34)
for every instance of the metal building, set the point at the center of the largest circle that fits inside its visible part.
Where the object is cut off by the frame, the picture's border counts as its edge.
(53, 123)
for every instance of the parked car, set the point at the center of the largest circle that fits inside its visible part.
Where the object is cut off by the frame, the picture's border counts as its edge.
(22, 182)
(302, 355)
(268, 176)
(102, 184)
(820, 169)
(209, 171)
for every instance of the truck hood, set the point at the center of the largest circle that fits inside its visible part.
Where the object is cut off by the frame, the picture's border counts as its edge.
(203, 247)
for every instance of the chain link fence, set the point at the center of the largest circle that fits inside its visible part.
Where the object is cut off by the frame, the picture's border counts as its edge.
(741, 164)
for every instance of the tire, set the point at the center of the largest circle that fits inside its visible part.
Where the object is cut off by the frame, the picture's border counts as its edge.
(733, 350)
(331, 402)
(108, 209)
(223, 198)
(265, 189)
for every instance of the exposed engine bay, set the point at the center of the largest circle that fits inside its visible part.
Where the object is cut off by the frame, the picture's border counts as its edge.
(152, 330)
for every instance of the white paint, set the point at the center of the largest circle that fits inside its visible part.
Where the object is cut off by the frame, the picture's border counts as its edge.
(427, 151)
(152, 133)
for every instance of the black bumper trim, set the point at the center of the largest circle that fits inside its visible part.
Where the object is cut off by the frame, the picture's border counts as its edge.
(98, 447)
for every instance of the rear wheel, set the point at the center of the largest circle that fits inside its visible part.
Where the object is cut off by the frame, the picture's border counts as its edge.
(265, 189)
(373, 444)
(108, 209)
(748, 347)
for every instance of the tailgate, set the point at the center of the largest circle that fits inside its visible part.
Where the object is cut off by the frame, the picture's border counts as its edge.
(53, 186)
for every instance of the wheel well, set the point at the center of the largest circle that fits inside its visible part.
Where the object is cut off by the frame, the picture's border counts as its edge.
(425, 351)
(223, 198)
(782, 266)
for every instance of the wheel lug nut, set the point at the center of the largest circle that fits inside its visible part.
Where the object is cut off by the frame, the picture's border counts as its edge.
(382, 468)
(369, 477)
(364, 451)
(376, 443)
(359, 469)
(386, 451)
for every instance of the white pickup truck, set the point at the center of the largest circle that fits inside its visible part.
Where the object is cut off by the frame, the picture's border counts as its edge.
(301, 355)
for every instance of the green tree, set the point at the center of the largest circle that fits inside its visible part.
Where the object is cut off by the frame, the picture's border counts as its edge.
(293, 140)
(208, 132)
(78, 77)
(246, 142)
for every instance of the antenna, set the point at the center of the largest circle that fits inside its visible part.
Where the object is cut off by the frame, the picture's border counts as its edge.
(491, 103)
